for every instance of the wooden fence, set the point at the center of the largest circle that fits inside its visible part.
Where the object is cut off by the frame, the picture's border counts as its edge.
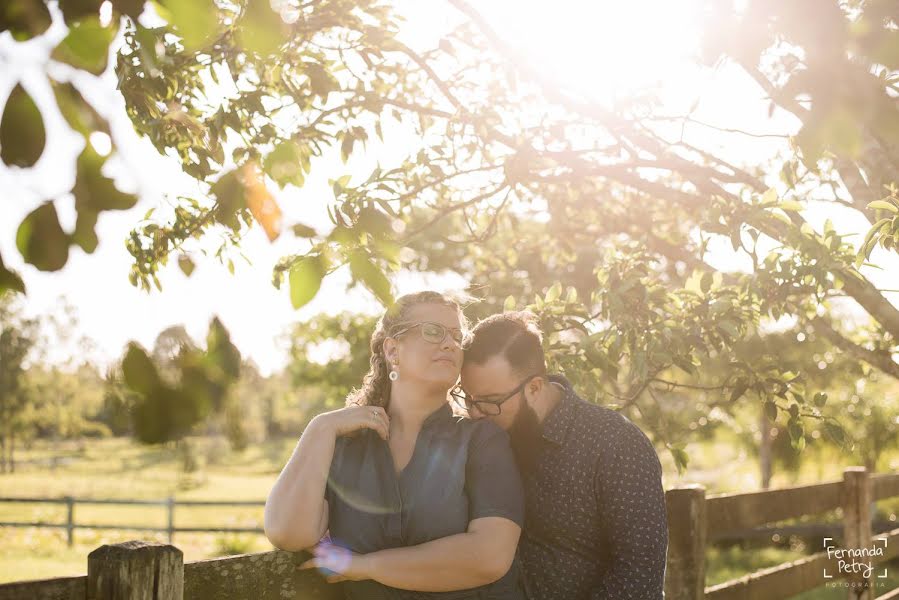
(169, 503)
(149, 571)
(692, 515)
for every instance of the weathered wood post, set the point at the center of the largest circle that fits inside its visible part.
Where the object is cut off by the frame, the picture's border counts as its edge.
(135, 570)
(70, 521)
(857, 525)
(687, 532)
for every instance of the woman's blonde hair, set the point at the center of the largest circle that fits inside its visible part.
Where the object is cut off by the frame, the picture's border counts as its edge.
(375, 390)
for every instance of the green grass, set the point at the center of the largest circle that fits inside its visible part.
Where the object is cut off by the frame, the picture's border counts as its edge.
(121, 469)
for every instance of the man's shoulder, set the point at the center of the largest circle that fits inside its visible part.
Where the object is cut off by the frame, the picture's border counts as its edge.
(604, 428)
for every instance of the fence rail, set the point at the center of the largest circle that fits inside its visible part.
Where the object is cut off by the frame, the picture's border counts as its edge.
(169, 503)
(157, 571)
(692, 515)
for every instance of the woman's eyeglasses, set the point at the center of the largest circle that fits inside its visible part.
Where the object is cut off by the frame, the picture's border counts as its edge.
(490, 408)
(434, 333)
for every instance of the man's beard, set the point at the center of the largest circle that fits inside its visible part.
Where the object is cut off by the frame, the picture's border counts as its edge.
(525, 435)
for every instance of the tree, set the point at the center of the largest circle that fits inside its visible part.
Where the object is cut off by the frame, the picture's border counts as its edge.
(599, 218)
(181, 393)
(18, 336)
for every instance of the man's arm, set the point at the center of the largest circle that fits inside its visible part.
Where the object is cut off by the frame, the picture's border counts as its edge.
(631, 502)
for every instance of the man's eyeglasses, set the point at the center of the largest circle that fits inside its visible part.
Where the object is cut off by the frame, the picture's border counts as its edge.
(434, 333)
(487, 407)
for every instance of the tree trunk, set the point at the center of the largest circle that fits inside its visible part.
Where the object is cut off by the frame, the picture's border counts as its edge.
(765, 449)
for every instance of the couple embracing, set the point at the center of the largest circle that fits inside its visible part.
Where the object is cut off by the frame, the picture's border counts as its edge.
(533, 494)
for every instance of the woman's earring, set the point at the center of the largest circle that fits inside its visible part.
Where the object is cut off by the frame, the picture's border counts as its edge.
(394, 374)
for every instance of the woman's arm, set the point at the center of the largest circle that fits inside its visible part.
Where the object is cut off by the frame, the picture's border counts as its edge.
(477, 557)
(296, 512)
(481, 555)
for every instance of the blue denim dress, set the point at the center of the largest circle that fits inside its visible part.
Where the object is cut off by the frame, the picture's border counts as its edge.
(460, 470)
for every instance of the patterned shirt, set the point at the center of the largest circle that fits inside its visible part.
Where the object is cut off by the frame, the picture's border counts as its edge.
(595, 520)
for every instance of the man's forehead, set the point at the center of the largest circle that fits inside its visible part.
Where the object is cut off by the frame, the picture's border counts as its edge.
(493, 376)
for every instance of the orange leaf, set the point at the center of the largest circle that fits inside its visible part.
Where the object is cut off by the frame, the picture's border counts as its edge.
(260, 201)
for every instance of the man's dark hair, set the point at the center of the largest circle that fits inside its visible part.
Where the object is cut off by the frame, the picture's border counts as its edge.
(515, 336)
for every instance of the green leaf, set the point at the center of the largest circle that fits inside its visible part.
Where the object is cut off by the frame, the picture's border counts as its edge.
(41, 240)
(771, 410)
(790, 205)
(304, 231)
(74, 10)
(883, 205)
(230, 199)
(320, 80)
(186, 265)
(835, 432)
(87, 45)
(553, 293)
(369, 274)
(94, 193)
(10, 280)
(284, 164)
(740, 387)
(820, 399)
(139, 371)
(80, 115)
(22, 135)
(346, 146)
(260, 29)
(195, 22)
(681, 459)
(509, 303)
(685, 364)
(769, 197)
(24, 19)
(305, 280)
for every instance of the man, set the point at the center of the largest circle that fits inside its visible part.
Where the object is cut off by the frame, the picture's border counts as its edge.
(595, 521)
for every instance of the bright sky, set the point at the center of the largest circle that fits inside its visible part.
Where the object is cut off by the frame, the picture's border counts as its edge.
(602, 49)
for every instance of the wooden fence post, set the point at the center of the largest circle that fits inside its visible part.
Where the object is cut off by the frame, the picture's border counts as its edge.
(70, 521)
(857, 525)
(687, 532)
(135, 570)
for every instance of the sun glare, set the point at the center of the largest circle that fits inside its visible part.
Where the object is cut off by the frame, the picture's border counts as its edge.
(603, 50)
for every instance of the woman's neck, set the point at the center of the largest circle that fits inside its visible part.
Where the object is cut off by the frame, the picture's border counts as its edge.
(411, 404)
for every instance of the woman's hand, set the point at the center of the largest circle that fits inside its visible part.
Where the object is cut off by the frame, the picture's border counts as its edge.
(348, 420)
(337, 563)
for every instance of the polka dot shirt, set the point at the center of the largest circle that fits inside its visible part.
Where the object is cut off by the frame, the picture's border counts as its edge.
(595, 521)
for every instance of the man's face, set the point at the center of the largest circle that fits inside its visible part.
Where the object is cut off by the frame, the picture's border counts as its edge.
(493, 380)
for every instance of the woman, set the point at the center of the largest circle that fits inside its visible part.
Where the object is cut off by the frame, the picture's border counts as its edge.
(415, 499)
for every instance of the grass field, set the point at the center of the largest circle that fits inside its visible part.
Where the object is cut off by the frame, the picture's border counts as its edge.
(121, 469)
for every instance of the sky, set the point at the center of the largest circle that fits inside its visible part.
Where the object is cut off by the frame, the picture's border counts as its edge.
(601, 49)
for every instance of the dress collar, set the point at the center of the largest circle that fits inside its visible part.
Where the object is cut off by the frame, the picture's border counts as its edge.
(559, 420)
(443, 413)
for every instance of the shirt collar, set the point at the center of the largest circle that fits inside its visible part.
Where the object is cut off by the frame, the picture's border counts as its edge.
(444, 412)
(559, 420)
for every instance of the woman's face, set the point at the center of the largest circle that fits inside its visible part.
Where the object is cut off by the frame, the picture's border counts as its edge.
(427, 361)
